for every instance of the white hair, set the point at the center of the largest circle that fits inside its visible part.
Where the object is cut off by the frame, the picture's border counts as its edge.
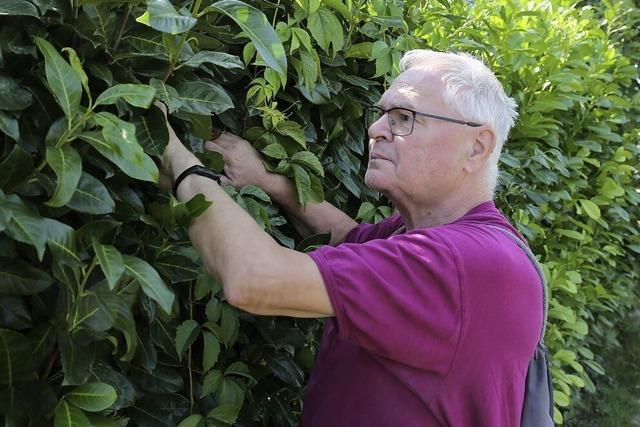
(471, 89)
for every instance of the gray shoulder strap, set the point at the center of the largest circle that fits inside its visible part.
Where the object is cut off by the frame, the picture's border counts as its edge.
(532, 257)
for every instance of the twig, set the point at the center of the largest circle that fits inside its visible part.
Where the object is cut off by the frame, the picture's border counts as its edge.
(121, 29)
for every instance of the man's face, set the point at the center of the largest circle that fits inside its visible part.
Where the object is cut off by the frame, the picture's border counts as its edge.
(426, 165)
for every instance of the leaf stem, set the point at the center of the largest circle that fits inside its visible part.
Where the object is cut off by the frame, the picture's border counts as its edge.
(191, 400)
(121, 29)
(52, 359)
(275, 14)
(86, 275)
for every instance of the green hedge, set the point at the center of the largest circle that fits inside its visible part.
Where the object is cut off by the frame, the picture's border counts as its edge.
(101, 292)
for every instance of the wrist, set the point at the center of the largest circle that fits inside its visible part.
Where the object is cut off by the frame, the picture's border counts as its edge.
(276, 186)
(181, 160)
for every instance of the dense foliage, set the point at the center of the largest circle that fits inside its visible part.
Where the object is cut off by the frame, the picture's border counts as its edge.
(106, 315)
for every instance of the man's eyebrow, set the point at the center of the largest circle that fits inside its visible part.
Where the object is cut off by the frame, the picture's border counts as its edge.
(396, 104)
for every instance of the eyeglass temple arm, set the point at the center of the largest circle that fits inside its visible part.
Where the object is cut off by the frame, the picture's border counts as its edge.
(449, 119)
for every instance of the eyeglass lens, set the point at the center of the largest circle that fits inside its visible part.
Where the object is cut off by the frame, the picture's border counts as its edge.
(400, 120)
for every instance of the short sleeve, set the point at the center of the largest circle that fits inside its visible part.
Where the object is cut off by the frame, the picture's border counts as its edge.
(399, 297)
(365, 232)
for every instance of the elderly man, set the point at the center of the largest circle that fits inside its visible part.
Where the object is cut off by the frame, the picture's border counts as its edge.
(433, 314)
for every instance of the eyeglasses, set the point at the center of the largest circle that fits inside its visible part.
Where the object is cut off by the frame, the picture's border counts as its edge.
(401, 120)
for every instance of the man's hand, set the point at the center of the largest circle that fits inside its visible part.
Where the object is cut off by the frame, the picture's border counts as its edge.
(243, 164)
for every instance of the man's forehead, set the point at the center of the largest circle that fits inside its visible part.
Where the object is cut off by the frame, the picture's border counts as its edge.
(411, 88)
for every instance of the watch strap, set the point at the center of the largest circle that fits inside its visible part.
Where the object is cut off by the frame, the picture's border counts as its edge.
(195, 170)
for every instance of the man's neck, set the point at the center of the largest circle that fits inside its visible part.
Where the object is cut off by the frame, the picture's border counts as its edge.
(444, 212)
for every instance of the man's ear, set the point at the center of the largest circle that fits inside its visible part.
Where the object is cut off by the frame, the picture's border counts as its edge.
(483, 145)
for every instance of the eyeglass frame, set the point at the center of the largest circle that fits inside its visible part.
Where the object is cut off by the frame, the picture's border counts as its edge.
(414, 114)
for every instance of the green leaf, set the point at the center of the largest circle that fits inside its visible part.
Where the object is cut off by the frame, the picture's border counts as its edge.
(359, 50)
(18, 7)
(20, 278)
(254, 191)
(590, 208)
(135, 94)
(255, 24)
(14, 313)
(366, 211)
(9, 126)
(92, 397)
(77, 67)
(62, 242)
(75, 357)
(211, 351)
(12, 96)
(341, 8)
(161, 380)
(15, 360)
(117, 142)
(15, 168)
(161, 16)
(63, 80)
(91, 196)
(156, 410)
(67, 415)
(286, 369)
(67, 164)
(117, 310)
(275, 151)
(195, 420)
(150, 281)
(213, 310)
(240, 369)
(230, 325)
(186, 334)
(381, 53)
(304, 186)
(200, 97)
(219, 59)
(308, 159)
(101, 71)
(227, 413)
(150, 135)
(110, 260)
(166, 94)
(326, 29)
(25, 225)
(206, 285)
(293, 130)
(211, 382)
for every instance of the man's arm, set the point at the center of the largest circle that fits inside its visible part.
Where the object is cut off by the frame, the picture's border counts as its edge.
(243, 166)
(256, 273)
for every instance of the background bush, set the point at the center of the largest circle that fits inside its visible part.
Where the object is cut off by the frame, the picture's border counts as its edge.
(106, 315)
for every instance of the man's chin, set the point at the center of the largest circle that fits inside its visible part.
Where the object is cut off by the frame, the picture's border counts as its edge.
(373, 181)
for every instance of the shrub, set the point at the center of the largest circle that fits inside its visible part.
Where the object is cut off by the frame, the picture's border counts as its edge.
(103, 296)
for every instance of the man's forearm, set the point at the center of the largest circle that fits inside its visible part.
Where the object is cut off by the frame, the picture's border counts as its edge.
(227, 239)
(314, 217)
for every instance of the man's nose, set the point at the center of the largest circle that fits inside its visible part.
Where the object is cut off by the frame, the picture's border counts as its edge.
(380, 130)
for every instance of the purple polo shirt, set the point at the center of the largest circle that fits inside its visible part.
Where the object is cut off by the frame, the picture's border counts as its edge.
(433, 326)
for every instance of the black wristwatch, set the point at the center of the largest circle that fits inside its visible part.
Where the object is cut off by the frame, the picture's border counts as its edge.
(198, 170)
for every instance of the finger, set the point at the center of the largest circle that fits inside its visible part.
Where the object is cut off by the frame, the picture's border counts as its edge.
(214, 146)
(227, 140)
(225, 180)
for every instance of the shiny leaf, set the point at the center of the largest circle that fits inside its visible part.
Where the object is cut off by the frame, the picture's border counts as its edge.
(92, 397)
(91, 196)
(255, 24)
(161, 16)
(150, 281)
(63, 81)
(135, 94)
(67, 164)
